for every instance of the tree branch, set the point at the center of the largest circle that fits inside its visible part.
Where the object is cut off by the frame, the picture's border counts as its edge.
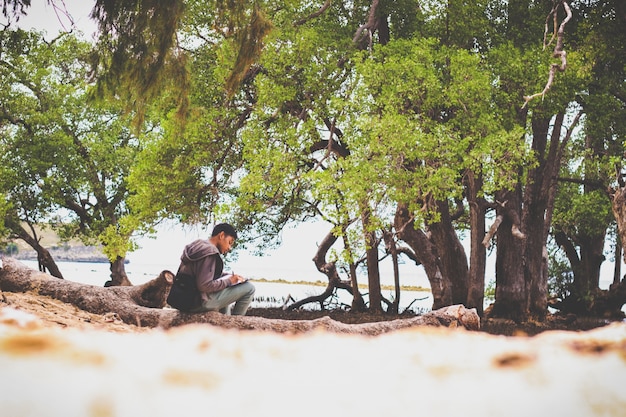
(313, 15)
(558, 52)
(512, 216)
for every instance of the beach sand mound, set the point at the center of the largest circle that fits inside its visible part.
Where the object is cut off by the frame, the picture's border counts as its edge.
(95, 366)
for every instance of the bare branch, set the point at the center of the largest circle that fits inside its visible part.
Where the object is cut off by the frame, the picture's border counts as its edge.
(366, 30)
(513, 218)
(558, 52)
(492, 230)
(313, 15)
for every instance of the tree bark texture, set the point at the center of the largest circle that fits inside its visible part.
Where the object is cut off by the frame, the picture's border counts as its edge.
(534, 223)
(618, 206)
(334, 281)
(141, 305)
(391, 247)
(373, 270)
(478, 252)
(452, 257)
(511, 289)
(44, 259)
(426, 253)
(118, 274)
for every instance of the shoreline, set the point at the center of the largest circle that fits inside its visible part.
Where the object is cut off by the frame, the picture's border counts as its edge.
(83, 254)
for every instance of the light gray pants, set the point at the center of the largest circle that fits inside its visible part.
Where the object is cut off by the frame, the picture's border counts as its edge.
(240, 294)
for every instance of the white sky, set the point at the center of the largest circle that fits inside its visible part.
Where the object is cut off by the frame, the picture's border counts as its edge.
(62, 15)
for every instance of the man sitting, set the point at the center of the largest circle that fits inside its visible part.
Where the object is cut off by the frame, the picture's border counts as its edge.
(201, 274)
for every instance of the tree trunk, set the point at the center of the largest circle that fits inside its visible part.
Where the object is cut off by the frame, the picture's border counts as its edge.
(44, 259)
(609, 303)
(426, 253)
(511, 288)
(334, 281)
(538, 186)
(591, 259)
(452, 257)
(141, 305)
(539, 196)
(358, 304)
(392, 248)
(478, 251)
(618, 206)
(617, 270)
(373, 270)
(536, 218)
(118, 274)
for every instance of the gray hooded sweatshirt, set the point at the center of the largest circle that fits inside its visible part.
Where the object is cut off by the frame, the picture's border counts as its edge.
(202, 260)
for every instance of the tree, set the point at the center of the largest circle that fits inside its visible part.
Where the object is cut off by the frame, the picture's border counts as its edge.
(602, 43)
(566, 98)
(66, 161)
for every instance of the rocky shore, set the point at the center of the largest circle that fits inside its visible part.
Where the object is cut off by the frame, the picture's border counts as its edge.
(92, 254)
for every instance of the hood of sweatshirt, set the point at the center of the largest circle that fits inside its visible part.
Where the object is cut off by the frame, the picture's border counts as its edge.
(197, 250)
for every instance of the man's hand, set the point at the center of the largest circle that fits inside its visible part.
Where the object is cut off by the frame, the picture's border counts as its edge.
(236, 279)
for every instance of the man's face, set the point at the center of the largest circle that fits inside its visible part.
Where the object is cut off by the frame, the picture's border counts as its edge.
(224, 243)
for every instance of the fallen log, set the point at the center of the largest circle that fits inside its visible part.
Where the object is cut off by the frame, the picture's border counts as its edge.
(142, 305)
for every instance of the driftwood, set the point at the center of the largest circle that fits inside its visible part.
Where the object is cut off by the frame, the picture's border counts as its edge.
(142, 305)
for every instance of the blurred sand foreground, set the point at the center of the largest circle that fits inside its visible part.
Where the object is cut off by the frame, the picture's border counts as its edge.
(199, 369)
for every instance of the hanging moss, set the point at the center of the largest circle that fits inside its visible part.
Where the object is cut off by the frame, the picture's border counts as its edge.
(250, 40)
(136, 52)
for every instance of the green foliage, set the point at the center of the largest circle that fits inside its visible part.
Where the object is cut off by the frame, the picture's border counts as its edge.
(10, 249)
(265, 113)
(560, 276)
(66, 160)
(456, 23)
(432, 111)
(490, 291)
(582, 214)
(186, 172)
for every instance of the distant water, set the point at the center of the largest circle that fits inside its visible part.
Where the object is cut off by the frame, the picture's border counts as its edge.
(139, 271)
(268, 294)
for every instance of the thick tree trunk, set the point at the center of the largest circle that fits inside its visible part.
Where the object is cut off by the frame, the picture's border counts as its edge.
(539, 196)
(511, 288)
(452, 257)
(591, 259)
(609, 303)
(536, 194)
(426, 253)
(536, 218)
(141, 305)
(118, 274)
(134, 304)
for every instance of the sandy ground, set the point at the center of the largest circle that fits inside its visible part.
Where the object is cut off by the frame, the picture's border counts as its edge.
(49, 349)
(54, 313)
